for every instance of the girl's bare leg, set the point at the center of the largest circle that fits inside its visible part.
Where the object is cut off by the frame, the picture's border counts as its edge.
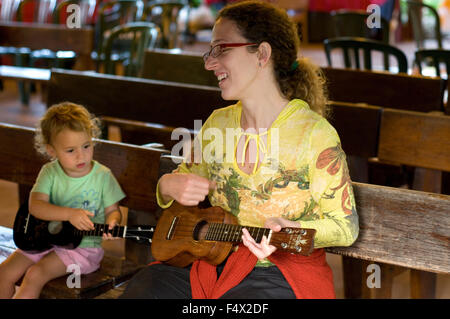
(46, 269)
(11, 270)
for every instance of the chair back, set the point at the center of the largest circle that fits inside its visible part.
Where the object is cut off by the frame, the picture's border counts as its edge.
(114, 13)
(8, 10)
(87, 9)
(434, 57)
(139, 37)
(165, 13)
(425, 23)
(355, 45)
(354, 23)
(43, 9)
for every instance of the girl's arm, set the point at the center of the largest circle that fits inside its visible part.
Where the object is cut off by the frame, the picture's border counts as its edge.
(40, 207)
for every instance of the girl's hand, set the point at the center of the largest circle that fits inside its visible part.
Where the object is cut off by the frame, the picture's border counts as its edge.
(107, 235)
(186, 189)
(263, 249)
(79, 218)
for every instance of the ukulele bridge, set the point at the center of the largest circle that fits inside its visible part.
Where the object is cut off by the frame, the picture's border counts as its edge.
(172, 227)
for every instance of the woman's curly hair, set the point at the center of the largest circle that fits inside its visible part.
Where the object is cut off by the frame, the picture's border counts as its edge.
(260, 21)
(61, 116)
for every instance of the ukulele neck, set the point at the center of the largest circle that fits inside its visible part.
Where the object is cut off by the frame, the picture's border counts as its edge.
(100, 229)
(233, 233)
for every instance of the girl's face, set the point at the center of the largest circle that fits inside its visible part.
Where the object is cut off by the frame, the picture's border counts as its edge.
(74, 151)
(235, 67)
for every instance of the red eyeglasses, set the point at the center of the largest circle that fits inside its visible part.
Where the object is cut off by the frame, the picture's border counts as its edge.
(217, 50)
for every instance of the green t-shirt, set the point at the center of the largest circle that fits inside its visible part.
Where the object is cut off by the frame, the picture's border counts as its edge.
(92, 192)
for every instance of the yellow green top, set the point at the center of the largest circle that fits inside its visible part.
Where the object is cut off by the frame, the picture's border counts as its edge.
(303, 175)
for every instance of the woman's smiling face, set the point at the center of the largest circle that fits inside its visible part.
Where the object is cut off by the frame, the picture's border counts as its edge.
(235, 68)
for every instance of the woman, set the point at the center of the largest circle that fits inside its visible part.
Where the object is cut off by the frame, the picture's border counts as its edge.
(282, 166)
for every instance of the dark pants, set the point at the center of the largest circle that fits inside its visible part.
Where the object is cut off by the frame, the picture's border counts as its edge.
(166, 282)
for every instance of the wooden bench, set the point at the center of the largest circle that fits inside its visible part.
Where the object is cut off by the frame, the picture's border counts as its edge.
(398, 227)
(136, 169)
(168, 103)
(185, 67)
(55, 37)
(422, 141)
(414, 93)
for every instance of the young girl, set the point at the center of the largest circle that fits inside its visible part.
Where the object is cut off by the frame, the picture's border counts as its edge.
(72, 187)
(284, 168)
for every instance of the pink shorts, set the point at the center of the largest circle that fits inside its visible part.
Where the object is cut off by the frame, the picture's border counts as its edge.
(88, 259)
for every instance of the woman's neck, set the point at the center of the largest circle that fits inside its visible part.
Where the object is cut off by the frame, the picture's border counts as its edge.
(260, 113)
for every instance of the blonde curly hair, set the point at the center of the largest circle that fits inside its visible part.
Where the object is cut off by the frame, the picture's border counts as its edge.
(62, 116)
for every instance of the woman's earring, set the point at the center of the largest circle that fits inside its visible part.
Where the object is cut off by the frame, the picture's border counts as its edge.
(259, 64)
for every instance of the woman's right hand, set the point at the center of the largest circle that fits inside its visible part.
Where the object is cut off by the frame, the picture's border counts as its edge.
(186, 188)
(79, 218)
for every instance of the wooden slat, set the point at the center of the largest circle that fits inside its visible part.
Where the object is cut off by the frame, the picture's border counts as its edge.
(177, 66)
(141, 133)
(401, 227)
(415, 139)
(47, 36)
(168, 103)
(358, 127)
(400, 91)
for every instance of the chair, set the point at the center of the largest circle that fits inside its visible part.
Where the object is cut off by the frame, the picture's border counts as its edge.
(436, 57)
(298, 12)
(354, 45)
(111, 14)
(425, 23)
(140, 36)
(164, 13)
(353, 23)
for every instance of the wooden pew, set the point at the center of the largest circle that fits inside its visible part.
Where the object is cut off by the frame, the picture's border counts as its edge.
(422, 141)
(400, 91)
(414, 93)
(142, 133)
(177, 66)
(168, 103)
(136, 169)
(54, 37)
(398, 227)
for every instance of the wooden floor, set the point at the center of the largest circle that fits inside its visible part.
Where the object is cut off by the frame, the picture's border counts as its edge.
(11, 111)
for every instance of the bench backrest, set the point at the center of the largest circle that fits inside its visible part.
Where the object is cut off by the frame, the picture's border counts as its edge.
(401, 227)
(400, 91)
(415, 139)
(135, 167)
(358, 127)
(170, 65)
(168, 103)
(47, 36)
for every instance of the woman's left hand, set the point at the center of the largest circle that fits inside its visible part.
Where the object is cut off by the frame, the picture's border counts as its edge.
(263, 249)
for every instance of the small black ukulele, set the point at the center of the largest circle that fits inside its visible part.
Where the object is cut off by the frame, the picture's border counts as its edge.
(35, 235)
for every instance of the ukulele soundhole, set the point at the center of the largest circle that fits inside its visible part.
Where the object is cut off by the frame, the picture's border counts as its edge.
(55, 227)
(200, 230)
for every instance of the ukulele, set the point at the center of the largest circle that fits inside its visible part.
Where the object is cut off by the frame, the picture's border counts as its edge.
(184, 234)
(34, 235)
